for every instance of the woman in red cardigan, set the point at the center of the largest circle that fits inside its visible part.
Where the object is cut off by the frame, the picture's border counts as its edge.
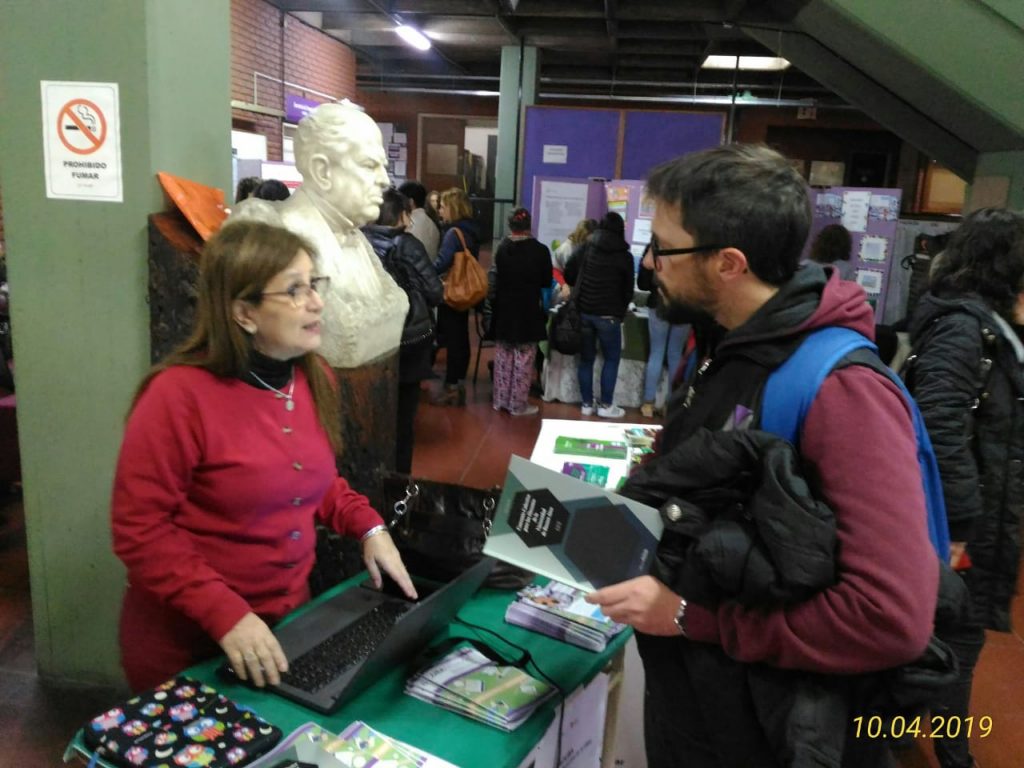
(226, 463)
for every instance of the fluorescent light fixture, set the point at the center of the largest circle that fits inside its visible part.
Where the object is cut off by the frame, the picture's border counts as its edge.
(413, 37)
(764, 63)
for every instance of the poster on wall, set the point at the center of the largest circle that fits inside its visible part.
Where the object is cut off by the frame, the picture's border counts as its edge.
(873, 248)
(855, 210)
(618, 200)
(82, 140)
(870, 280)
(562, 205)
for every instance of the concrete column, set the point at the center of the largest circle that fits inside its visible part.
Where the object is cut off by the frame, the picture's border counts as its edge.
(518, 90)
(78, 279)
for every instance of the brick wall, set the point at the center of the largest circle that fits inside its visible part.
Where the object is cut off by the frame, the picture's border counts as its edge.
(266, 41)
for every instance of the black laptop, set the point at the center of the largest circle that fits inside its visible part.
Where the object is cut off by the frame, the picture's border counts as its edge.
(342, 645)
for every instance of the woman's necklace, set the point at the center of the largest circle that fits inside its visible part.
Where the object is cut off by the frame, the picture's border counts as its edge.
(289, 403)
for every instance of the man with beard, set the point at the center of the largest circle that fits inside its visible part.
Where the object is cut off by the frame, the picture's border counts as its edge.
(728, 230)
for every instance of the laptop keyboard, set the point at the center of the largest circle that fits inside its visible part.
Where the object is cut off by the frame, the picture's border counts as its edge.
(324, 663)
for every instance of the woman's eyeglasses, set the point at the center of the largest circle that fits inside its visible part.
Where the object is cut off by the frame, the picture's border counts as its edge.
(657, 253)
(301, 293)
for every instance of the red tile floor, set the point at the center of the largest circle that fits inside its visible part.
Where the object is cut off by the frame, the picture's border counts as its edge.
(470, 445)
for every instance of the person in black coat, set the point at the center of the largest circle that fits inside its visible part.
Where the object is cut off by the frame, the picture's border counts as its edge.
(405, 259)
(966, 372)
(522, 268)
(603, 279)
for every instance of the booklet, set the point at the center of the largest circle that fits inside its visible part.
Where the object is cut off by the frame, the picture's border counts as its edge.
(561, 612)
(595, 474)
(569, 530)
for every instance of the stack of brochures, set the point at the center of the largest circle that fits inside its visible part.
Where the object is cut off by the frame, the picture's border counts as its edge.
(560, 611)
(470, 684)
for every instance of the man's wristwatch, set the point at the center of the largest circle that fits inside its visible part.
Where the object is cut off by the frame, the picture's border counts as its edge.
(680, 617)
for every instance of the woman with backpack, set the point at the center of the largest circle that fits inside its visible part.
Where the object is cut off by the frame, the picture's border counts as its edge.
(602, 276)
(405, 259)
(966, 372)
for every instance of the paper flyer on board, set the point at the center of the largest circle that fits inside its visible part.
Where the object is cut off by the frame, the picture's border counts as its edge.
(569, 530)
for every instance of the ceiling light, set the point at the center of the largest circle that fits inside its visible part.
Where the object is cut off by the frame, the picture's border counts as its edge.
(765, 63)
(413, 37)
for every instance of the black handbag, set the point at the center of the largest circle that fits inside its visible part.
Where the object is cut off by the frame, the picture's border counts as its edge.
(440, 528)
(566, 332)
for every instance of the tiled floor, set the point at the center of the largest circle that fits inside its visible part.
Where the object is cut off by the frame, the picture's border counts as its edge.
(469, 445)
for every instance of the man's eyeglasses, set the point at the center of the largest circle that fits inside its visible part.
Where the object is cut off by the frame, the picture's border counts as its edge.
(300, 293)
(657, 253)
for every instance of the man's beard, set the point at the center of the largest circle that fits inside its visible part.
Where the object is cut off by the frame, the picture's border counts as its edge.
(678, 312)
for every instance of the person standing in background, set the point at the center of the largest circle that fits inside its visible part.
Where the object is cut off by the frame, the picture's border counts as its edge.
(453, 324)
(602, 274)
(832, 248)
(666, 340)
(405, 259)
(421, 225)
(522, 268)
(966, 371)
(561, 255)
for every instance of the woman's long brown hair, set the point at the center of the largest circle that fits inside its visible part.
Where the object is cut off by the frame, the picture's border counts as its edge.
(237, 263)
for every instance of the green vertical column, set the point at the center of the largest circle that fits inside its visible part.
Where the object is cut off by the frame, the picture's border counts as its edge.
(518, 90)
(78, 279)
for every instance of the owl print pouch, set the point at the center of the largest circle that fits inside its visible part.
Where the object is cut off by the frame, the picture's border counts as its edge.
(181, 723)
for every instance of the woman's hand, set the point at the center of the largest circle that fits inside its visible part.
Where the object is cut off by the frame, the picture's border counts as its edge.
(380, 553)
(253, 650)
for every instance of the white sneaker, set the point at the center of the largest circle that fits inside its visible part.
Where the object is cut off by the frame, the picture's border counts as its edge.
(610, 412)
(587, 410)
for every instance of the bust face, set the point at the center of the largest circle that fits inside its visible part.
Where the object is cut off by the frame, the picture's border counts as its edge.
(354, 180)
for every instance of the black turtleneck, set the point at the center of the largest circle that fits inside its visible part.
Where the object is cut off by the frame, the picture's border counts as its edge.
(276, 373)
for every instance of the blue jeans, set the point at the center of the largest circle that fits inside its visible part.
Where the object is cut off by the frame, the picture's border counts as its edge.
(664, 338)
(608, 333)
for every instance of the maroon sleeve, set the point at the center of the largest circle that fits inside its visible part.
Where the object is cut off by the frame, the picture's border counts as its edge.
(346, 511)
(162, 444)
(858, 439)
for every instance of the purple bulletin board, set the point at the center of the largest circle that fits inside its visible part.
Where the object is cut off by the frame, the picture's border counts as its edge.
(871, 214)
(652, 138)
(577, 143)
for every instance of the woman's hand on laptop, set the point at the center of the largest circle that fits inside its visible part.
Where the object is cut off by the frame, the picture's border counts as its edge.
(381, 554)
(254, 652)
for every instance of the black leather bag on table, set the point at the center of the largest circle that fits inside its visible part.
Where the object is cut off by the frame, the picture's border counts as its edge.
(440, 528)
(566, 332)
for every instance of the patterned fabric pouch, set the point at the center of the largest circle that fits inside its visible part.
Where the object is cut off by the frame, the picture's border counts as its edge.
(181, 723)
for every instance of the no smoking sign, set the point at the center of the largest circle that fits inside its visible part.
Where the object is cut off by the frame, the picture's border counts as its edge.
(81, 140)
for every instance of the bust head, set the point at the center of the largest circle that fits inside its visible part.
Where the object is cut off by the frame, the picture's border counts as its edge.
(340, 154)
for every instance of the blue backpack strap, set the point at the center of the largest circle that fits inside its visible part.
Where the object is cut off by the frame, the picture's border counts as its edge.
(792, 387)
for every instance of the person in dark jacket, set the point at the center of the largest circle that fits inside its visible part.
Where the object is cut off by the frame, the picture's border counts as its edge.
(602, 276)
(405, 259)
(522, 268)
(453, 324)
(728, 230)
(967, 374)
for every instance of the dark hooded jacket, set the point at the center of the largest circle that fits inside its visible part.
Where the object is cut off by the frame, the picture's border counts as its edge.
(601, 274)
(968, 382)
(858, 453)
(406, 260)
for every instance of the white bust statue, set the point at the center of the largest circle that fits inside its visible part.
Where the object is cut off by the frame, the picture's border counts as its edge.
(340, 154)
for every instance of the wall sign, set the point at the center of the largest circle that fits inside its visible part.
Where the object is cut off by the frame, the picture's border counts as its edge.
(556, 154)
(81, 141)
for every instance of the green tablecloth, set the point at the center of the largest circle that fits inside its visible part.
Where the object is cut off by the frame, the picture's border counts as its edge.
(385, 706)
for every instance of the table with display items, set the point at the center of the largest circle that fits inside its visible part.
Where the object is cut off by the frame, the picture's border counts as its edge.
(386, 707)
(561, 382)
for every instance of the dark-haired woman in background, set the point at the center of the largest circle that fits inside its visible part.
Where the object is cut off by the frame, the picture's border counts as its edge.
(405, 259)
(832, 246)
(227, 459)
(967, 375)
(602, 275)
(453, 324)
(522, 268)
